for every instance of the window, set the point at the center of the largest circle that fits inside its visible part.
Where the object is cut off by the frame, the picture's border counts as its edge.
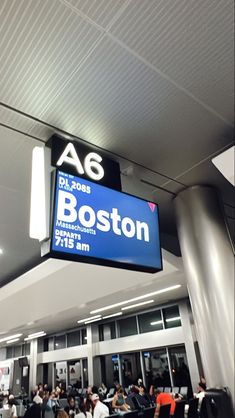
(73, 339)
(130, 368)
(84, 336)
(59, 342)
(172, 317)
(179, 367)
(107, 331)
(17, 352)
(157, 368)
(10, 352)
(26, 349)
(75, 373)
(127, 326)
(150, 321)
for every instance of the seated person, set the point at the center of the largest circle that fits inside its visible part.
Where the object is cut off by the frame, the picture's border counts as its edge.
(164, 399)
(71, 409)
(119, 403)
(10, 406)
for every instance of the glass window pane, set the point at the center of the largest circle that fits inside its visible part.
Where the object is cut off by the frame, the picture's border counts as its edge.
(61, 371)
(85, 372)
(157, 368)
(17, 351)
(150, 321)
(26, 349)
(109, 369)
(73, 339)
(9, 352)
(59, 342)
(131, 369)
(75, 374)
(127, 326)
(179, 366)
(84, 336)
(172, 317)
(108, 331)
(101, 332)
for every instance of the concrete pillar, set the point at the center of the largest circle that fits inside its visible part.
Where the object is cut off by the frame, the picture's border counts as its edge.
(209, 265)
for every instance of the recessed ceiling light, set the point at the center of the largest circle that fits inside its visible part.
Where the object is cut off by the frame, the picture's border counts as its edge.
(1, 251)
(137, 304)
(88, 319)
(10, 337)
(30, 323)
(35, 336)
(112, 315)
(147, 295)
(93, 320)
(13, 341)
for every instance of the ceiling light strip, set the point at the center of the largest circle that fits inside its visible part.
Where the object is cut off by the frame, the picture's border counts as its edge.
(13, 341)
(176, 318)
(10, 337)
(112, 315)
(115, 305)
(88, 319)
(156, 322)
(34, 337)
(94, 320)
(137, 304)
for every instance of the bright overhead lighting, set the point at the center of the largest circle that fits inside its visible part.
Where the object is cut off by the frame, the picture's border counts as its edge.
(112, 315)
(156, 322)
(137, 304)
(10, 337)
(147, 295)
(224, 162)
(35, 336)
(93, 320)
(176, 318)
(13, 341)
(88, 319)
(39, 194)
(1, 251)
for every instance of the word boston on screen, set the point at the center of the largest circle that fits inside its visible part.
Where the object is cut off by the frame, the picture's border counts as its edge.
(80, 159)
(95, 224)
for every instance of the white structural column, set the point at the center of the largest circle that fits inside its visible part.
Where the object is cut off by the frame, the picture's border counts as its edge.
(209, 265)
(33, 363)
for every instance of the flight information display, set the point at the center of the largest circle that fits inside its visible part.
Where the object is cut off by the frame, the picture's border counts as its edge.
(95, 224)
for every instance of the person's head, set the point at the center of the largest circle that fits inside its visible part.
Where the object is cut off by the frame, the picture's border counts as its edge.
(158, 391)
(62, 414)
(94, 389)
(201, 387)
(95, 398)
(134, 389)
(71, 401)
(120, 391)
(11, 401)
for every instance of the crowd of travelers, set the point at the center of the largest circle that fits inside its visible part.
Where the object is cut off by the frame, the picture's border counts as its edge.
(94, 402)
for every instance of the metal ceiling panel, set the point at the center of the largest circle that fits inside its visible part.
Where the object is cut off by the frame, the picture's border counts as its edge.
(41, 44)
(190, 42)
(117, 102)
(102, 12)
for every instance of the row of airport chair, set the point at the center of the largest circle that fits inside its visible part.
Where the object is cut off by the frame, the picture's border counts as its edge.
(164, 411)
(183, 390)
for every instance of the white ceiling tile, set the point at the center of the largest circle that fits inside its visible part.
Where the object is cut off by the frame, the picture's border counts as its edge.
(191, 42)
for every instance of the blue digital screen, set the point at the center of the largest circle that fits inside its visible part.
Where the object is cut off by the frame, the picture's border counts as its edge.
(93, 223)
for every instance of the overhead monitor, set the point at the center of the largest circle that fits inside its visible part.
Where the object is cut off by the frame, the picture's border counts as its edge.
(94, 224)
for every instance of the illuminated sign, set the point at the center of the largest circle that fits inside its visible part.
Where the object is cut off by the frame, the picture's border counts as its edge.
(79, 159)
(95, 224)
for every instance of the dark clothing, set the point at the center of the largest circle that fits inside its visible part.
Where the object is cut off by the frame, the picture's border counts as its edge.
(34, 411)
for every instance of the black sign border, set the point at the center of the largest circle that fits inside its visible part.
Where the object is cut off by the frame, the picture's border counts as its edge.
(93, 260)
